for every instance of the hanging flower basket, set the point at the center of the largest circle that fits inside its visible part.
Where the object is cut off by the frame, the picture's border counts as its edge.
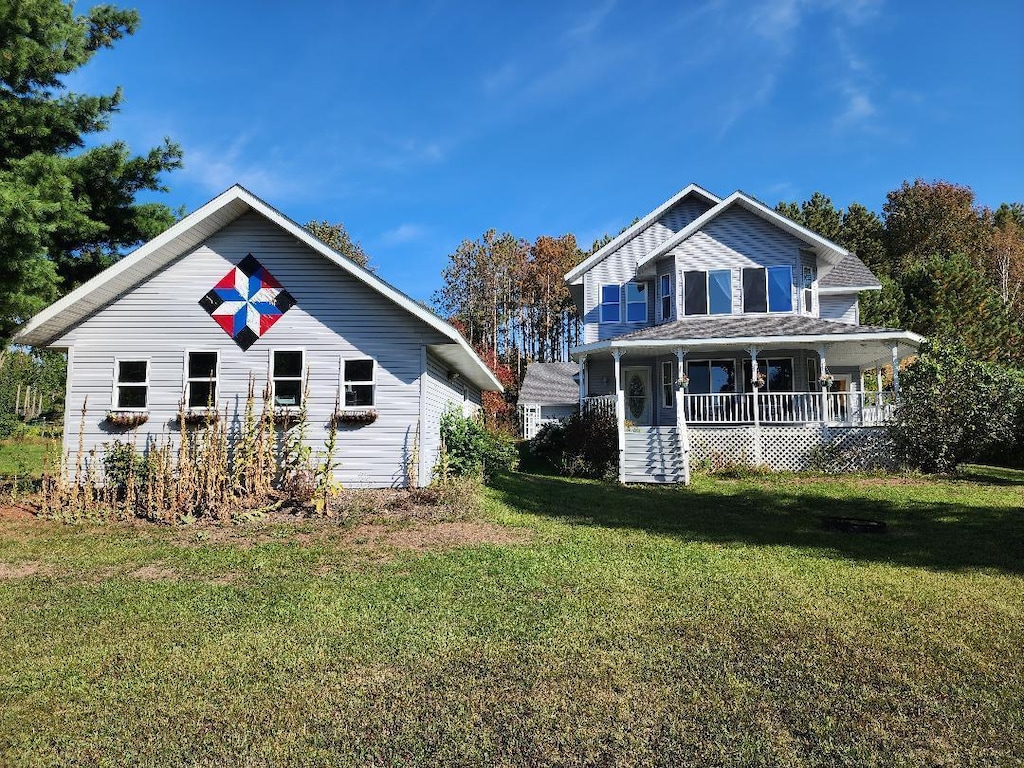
(126, 419)
(826, 380)
(358, 418)
(284, 418)
(758, 381)
(683, 381)
(200, 417)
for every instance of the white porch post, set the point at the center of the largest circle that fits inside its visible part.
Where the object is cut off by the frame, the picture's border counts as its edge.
(824, 389)
(682, 431)
(620, 414)
(896, 371)
(582, 378)
(758, 453)
(878, 380)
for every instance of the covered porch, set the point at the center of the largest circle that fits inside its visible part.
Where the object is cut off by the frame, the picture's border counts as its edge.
(748, 393)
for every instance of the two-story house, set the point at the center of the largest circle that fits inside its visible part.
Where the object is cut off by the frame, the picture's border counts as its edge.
(718, 326)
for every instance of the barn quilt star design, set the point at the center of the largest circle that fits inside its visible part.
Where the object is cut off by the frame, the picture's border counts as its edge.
(247, 302)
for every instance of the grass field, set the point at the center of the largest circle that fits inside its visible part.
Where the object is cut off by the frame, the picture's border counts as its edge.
(570, 623)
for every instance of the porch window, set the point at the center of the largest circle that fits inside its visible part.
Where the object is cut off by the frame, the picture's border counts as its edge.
(768, 289)
(201, 380)
(708, 293)
(777, 372)
(711, 377)
(665, 296)
(286, 374)
(132, 387)
(636, 302)
(357, 381)
(667, 384)
(812, 374)
(611, 296)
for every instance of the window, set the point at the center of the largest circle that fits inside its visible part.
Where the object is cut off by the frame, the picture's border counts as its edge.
(768, 290)
(812, 374)
(711, 377)
(610, 309)
(708, 292)
(667, 384)
(636, 302)
(286, 374)
(778, 374)
(201, 380)
(357, 383)
(665, 296)
(132, 387)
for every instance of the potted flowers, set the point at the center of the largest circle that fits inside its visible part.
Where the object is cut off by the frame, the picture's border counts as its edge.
(683, 381)
(758, 380)
(126, 419)
(826, 380)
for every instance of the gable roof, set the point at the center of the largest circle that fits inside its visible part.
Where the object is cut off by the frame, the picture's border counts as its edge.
(550, 384)
(633, 230)
(849, 275)
(830, 251)
(197, 227)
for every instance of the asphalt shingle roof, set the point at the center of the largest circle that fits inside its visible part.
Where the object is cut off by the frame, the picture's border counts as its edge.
(851, 272)
(549, 384)
(746, 326)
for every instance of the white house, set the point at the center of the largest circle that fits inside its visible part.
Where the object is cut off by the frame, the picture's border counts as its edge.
(747, 320)
(234, 292)
(548, 393)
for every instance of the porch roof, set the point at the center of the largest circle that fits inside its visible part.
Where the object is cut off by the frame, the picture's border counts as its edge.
(549, 384)
(848, 344)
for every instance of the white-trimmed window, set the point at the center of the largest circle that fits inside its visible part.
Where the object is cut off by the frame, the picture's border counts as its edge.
(201, 373)
(768, 289)
(707, 292)
(287, 367)
(131, 387)
(665, 296)
(667, 384)
(358, 382)
(636, 302)
(611, 303)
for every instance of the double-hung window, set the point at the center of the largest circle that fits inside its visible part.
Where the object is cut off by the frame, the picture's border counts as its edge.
(665, 296)
(201, 380)
(711, 377)
(611, 298)
(667, 384)
(707, 293)
(636, 302)
(287, 368)
(132, 386)
(357, 382)
(812, 374)
(768, 289)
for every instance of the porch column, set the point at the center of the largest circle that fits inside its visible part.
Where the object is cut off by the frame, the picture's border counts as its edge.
(758, 453)
(620, 414)
(878, 380)
(822, 368)
(682, 431)
(896, 371)
(582, 377)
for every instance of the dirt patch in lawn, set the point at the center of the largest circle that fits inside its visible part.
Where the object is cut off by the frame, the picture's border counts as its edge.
(420, 538)
(17, 512)
(155, 573)
(21, 570)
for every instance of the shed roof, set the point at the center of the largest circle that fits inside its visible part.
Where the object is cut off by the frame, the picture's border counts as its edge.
(550, 384)
(54, 321)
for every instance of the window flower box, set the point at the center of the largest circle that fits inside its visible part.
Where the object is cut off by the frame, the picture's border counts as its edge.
(126, 419)
(198, 417)
(359, 417)
(286, 417)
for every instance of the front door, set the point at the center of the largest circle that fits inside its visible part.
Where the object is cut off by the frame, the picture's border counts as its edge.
(637, 388)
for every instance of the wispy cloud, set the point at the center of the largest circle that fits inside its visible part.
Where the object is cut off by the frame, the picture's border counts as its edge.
(217, 167)
(404, 233)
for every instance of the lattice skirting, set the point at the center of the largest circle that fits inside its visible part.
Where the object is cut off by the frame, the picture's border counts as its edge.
(796, 448)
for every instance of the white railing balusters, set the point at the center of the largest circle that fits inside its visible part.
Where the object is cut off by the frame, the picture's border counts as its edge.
(842, 408)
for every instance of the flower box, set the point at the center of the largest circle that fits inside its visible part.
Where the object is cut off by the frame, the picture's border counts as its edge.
(286, 418)
(357, 418)
(126, 419)
(199, 417)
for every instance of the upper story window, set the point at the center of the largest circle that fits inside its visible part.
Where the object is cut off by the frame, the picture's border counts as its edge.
(707, 293)
(665, 296)
(636, 302)
(357, 381)
(611, 297)
(132, 387)
(286, 375)
(768, 289)
(201, 380)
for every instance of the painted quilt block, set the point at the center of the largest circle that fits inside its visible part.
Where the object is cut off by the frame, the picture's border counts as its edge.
(247, 302)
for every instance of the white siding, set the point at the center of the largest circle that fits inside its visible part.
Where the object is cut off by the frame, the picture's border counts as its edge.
(841, 307)
(336, 316)
(440, 393)
(620, 267)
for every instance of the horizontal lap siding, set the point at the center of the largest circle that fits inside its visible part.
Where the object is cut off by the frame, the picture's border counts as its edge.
(620, 267)
(841, 307)
(734, 240)
(336, 316)
(440, 394)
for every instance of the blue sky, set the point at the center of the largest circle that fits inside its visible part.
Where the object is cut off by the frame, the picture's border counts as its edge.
(420, 125)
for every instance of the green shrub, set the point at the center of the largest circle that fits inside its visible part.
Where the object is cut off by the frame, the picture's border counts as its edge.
(584, 445)
(469, 449)
(121, 462)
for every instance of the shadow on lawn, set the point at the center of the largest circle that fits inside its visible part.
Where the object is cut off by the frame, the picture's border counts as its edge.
(939, 535)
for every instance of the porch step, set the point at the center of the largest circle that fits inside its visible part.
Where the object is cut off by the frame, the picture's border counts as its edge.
(659, 478)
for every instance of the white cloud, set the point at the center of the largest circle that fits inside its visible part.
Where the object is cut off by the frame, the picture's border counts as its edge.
(217, 167)
(404, 233)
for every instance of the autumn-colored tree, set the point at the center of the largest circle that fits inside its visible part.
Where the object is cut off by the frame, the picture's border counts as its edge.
(1007, 257)
(337, 237)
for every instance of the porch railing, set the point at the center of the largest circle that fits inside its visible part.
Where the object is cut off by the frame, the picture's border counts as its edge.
(599, 404)
(841, 408)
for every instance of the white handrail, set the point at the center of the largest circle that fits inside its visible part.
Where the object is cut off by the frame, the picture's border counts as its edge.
(843, 408)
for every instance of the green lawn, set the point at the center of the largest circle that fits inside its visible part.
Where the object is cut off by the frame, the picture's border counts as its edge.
(25, 458)
(713, 625)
